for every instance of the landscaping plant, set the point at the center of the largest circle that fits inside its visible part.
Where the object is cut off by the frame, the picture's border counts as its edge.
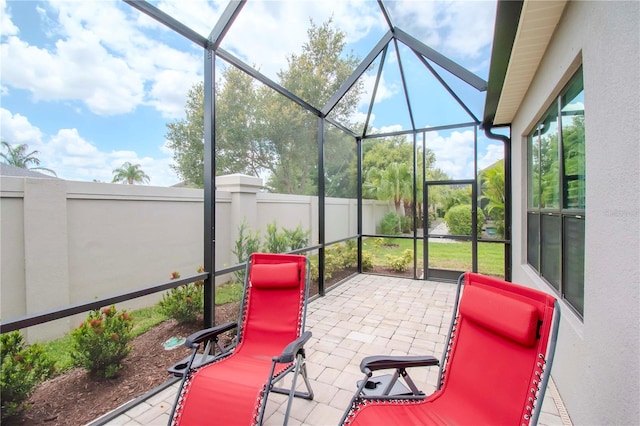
(458, 220)
(400, 263)
(296, 238)
(23, 367)
(247, 243)
(183, 303)
(276, 240)
(391, 224)
(102, 341)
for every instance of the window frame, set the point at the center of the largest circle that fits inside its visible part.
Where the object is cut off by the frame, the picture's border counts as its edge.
(535, 210)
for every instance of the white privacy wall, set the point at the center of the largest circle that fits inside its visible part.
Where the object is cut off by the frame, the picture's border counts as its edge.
(63, 242)
(597, 366)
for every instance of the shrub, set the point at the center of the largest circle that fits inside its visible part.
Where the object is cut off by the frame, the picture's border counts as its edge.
(23, 367)
(351, 253)
(183, 303)
(400, 263)
(314, 272)
(367, 261)
(458, 220)
(391, 224)
(406, 224)
(102, 341)
(297, 238)
(247, 243)
(276, 241)
(338, 257)
(333, 261)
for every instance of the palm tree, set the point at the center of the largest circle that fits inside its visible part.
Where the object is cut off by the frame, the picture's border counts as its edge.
(393, 183)
(130, 173)
(17, 156)
(493, 191)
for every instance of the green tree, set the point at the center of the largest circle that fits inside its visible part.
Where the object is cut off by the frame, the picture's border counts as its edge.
(186, 138)
(17, 156)
(394, 183)
(455, 195)
(130, 174)
(574, 161)
(314, 75)
(260, 131)
(379, 155)
(239, 146)
(397, 149)
(436, 192)
(492, 181)
(340, 164)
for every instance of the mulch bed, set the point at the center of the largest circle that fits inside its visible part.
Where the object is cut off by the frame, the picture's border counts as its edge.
(75, 398)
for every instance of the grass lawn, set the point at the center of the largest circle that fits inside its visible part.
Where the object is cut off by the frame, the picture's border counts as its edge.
(454, 256)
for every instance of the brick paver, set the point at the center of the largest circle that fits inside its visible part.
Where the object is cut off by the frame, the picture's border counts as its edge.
(367, 315)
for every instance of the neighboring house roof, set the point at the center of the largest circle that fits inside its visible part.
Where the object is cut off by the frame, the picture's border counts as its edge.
(523, 30)
(8, 170)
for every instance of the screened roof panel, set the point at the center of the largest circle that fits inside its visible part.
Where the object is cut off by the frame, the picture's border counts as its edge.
(266, 34)
(431, 104)
(462, 31)
(365, 86)
(390, 112)
(472, 98)
(199, 15)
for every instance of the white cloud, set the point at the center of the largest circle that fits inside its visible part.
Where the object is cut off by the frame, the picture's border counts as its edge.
(267, 32)
(16, 129)
(388, 129)
(74, 158)
(360, 117)
(384, 90)
(77, 70)
(460, 29)
(199, 15)
(493, 153)
(574, 106)
(470, 28)
(454, 152)
(168, 91)
(91, 62)
(7, 27)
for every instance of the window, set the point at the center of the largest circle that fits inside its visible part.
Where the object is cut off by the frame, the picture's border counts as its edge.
(556, 194)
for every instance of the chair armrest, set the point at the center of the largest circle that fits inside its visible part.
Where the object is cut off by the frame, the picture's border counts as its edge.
(292, 349)
(382, 362)
(208, 334)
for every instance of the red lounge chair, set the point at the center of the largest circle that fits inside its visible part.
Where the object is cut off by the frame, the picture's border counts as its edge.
(232, 387)
(494, 370)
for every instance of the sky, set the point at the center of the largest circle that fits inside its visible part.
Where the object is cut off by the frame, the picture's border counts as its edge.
(92, 84)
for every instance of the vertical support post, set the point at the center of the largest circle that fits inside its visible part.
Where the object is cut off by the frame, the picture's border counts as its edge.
(507, 206)
(414, 220)
(474, 204)
(209, 187)
(321, 206)
(425, 233)
(359, 199)
(425, 216)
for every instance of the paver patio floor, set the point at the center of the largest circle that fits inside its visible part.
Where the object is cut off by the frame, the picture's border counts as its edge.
(367, 315)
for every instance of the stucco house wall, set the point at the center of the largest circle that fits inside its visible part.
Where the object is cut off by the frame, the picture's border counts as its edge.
(597, 365)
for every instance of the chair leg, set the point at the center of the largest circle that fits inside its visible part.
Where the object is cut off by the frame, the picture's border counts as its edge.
(301, 368)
